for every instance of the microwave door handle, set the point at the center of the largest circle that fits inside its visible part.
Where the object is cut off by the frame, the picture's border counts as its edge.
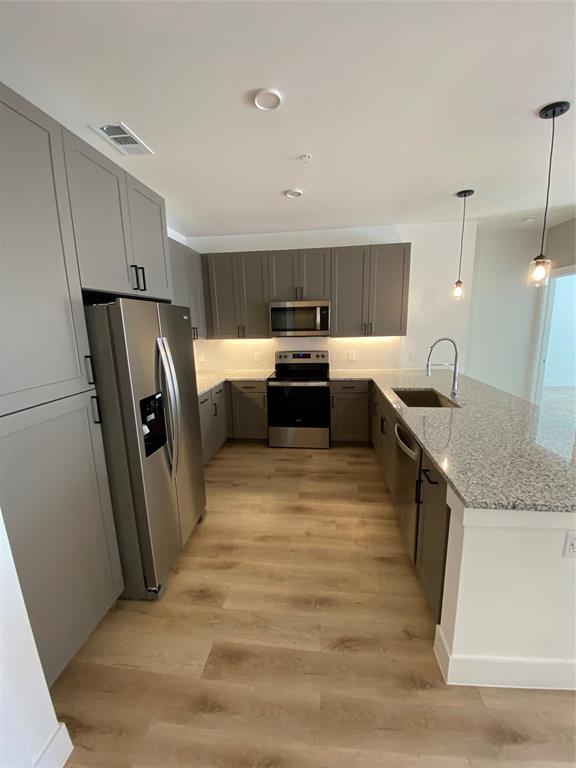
(178, 412)
(318, 318)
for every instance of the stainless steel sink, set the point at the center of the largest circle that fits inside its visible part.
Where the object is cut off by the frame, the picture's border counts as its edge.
(424, 398)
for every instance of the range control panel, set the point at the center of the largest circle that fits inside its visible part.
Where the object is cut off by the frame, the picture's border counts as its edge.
(302, 357)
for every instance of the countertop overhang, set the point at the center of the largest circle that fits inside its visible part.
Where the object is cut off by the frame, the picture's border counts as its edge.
(496, 450)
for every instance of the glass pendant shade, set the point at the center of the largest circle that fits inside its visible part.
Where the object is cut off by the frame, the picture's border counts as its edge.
(458, 290)
(539, 271)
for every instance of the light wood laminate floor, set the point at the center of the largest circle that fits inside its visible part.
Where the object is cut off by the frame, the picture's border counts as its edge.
(293, 634)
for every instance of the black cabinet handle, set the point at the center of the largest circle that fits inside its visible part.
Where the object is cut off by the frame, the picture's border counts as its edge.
(383, 421)
(348, 386)
(215, 407)
(98, 419)
(426, 473)
(136, 275)
(141, 269)
(204, 401)
(89, 369)
(369, 329)
(375, 409)
(417, 499)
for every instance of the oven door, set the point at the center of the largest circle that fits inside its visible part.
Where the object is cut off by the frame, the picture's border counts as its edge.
(300, 318)
(299, 414)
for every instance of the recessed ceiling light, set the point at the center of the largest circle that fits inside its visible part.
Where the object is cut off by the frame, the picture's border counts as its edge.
(268, 98)
(293, 193)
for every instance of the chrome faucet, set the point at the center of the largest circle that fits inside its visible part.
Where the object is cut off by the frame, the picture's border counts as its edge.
(454, 392)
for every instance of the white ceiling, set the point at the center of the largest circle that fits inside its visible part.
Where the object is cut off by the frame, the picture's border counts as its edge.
(400, 103)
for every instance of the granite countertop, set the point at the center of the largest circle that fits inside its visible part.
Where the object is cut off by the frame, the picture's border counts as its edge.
(205, 380)
(496, 450)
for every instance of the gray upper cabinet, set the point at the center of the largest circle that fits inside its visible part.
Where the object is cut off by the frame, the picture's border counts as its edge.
(99, 203)
(60, 527)
(187, 285)
(350, 290)
(370, 290)
(252, 279)
(43, 340)
(224, 296)
(315, 274)
(284, 275)
(300, 275)
(239, 291)
(149, 239)
(388, 299)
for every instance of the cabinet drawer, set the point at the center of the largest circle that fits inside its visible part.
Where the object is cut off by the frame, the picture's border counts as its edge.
(348, 386)
(247, 385)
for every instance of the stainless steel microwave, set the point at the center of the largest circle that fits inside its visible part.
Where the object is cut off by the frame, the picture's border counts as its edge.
(300, 318)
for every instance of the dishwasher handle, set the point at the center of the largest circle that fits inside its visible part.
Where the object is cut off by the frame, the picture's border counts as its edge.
(410, 452)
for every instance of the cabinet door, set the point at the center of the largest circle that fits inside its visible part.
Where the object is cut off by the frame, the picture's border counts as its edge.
(350, 420)
(99, 204)
(149, 239)
(205, 407)
(252, 276)
(250, 416)
(284, 269)
(388, 441)
(219, 417)
(433, 526)
(196, 290)
(315, 274)
(224, 296)
(350, 270)
(43, 340)
(187, 284)
(60, 526)
(388, 303)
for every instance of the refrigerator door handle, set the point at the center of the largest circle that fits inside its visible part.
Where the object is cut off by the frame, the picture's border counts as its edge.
(178, 409)
(170, 445)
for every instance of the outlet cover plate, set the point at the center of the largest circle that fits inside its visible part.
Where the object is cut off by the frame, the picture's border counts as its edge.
(570, 544)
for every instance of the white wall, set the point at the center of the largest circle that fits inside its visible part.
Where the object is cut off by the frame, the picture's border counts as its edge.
(30, 735)
(432, 311)
(504, 312)
(561, 244)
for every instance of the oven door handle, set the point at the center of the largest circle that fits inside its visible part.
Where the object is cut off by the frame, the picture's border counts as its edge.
(298, 383)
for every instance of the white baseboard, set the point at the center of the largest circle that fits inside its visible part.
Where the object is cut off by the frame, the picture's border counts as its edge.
(504, 672)
(57, 751)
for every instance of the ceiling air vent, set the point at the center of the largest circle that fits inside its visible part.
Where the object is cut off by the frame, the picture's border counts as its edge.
(125, 140)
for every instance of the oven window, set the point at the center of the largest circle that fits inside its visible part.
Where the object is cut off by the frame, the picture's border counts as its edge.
(293, 318)
(299, 407)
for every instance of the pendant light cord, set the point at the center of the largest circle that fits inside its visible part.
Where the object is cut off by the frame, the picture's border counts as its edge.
(548, 187)
(462, 240)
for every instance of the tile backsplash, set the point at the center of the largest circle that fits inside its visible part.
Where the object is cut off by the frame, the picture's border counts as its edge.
(379, 352)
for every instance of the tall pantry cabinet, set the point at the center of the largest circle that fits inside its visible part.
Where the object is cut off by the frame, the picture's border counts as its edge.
(53, 483)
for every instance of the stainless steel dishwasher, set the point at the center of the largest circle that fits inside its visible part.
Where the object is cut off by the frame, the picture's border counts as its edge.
(406, 486)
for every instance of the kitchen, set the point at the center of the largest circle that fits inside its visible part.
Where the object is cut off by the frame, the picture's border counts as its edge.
(267, 498)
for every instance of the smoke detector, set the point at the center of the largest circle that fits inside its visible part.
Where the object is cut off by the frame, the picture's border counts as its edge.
(122, 138)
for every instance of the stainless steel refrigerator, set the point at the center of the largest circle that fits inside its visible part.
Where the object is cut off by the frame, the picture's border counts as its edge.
(143, 362)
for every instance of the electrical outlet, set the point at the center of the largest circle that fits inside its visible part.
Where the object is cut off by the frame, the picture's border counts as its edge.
(570, 544)
(410, 355)
(351, 356)
(257, 357)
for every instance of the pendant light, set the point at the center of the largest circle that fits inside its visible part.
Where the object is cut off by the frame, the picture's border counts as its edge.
(539, 271)
(458, 289)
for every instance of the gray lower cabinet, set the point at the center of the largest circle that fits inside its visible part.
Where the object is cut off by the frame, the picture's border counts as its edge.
(43, 339)
(303, 274)
(387, 424)
(149, 239)
(370, 290)
(239, 294)
(99, 204)
(188, 285)
(56, 505)
(249, 410)
(350, 414)
(213, 420)
(433, 528)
